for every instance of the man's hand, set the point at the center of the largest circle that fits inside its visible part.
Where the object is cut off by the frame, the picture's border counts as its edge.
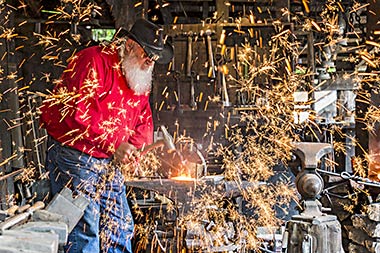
(126, 153)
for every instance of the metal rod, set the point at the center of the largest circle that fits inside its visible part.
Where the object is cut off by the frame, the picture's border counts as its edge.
(12, 174)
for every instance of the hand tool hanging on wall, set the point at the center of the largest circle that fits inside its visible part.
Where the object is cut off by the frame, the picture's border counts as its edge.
(172, 100)
(225, 97)
(189, 54)
(223, 69)
(240, 98)
(189, 73)
(236, 58)
(222, 83)
(177, 76)
(172, 62)
(193, 103)
(210, 55)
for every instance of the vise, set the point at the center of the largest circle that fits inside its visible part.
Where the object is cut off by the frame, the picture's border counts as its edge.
(312, 231)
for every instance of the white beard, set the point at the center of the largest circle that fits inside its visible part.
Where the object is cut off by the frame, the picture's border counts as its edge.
(139, 80)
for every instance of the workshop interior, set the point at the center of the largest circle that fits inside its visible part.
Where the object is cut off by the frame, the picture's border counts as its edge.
(266, 124)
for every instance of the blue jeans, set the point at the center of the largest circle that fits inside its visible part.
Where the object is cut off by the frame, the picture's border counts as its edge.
(107, 224)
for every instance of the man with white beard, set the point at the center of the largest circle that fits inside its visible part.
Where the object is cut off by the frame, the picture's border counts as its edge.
(99, 115)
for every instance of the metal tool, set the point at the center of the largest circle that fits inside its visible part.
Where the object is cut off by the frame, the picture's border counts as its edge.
(65, 204)
(177, 76)
(189, 55)
(193, 103)
(12, 210)
(172, 62)
(16, 241)
(226, 99)
(12, 174)
(59, 228)
(308, 231)
(17, 219)
(210, 55)
(347, 176)
(23, 208)
(189, 73)
(166, 140)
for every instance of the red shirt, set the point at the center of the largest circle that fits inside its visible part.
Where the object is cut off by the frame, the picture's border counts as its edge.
(93, 110)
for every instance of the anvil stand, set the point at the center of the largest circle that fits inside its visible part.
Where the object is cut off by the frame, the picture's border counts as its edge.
(312, 231)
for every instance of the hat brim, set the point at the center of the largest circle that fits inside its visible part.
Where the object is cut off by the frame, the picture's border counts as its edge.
(164, 56)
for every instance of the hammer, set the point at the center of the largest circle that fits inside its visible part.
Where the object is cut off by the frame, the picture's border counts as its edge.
(210, 55)
(167, 141)
(189, 72)
(189, 55)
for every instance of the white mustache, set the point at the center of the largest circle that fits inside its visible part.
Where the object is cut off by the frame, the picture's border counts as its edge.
(138, 79)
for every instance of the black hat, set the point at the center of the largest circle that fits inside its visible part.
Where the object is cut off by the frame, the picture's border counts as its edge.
(150, 37)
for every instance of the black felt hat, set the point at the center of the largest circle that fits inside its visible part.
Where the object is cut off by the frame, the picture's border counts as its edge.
(150, 37)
